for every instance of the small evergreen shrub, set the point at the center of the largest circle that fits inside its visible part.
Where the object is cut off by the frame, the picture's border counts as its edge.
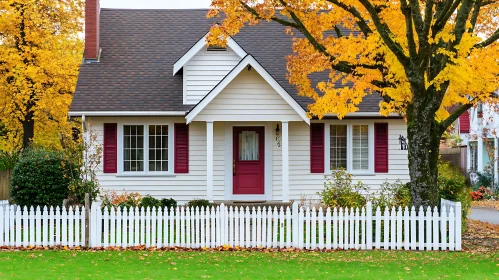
(201, 203)
(149, 201)
(168, 203)
(41, 177)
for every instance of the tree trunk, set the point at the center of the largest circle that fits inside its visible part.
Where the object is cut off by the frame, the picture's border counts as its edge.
(28, 129)
(424, 140)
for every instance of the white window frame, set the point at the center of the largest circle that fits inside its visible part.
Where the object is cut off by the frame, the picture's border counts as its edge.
(349, 124)
(146, 171)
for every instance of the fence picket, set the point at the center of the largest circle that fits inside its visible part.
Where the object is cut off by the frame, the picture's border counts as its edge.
(236, 226)
(187, 226)
(347, 227)
(436, 239)
(269, 227)
(313, 234)
(281, 228)
(451, 229)
(288, 227)
(399, 228)
(247, 235)
(70, 227)
(259, 227)
(301, 218)
(421, 228)
(124, 228)
(443, 228)
(378, 227)
(341, 243)
(152, 226)
(25, 226)
(18, 227)
(428, 228)
(393, 228)
(212, 225)
(253, 228)
(321, 229)
(118, 218)
(386, 228)
(106, 226)
(406, 228)
(307, 228)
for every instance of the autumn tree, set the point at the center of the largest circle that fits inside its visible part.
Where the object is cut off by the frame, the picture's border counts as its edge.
(40, 54)
(422, 57)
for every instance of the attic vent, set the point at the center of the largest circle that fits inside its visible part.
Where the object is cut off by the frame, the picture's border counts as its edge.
(215, 48)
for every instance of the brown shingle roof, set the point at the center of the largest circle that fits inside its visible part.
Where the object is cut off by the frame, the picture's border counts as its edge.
(139, 48)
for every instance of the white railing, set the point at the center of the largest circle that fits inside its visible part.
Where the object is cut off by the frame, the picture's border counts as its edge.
(295, 227)
(23, 227)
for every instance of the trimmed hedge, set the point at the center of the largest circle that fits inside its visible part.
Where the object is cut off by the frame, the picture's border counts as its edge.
(41, 177)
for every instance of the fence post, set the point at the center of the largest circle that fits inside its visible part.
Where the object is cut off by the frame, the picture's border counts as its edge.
(458, 230)
(369, 226)
(294, 218)
(87, 220)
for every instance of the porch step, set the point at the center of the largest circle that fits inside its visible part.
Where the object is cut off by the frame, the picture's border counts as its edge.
(256, 203)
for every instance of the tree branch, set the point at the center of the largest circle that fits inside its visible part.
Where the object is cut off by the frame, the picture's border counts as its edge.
(409, 30)
(444, 15)
(385, 33)
(494, 37)
(361, 22)
(474, 16)
(453, 117)
(461, 20)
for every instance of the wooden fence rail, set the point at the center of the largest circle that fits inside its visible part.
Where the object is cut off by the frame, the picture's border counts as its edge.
(5, 176)
(360, 229)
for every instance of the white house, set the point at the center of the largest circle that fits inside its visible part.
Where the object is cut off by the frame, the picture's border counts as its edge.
(178, 119)
(479, 129)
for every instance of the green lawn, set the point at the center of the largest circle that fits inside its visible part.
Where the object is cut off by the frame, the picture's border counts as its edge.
(254, 265)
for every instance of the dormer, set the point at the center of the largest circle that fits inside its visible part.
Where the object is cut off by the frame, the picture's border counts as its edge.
(203, 67)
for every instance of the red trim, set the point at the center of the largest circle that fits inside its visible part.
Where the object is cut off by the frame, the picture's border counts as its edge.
(110, 148)
(317, 148)
(181, 148)
(381, 147)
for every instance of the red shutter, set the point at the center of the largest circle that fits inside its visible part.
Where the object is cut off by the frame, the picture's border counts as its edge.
(381, 147)
(181, 148)
(110, 148)
(317, 148)
(464, 122)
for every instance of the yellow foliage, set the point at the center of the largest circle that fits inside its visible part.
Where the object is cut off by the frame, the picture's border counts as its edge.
(40, 54)
(469, 71)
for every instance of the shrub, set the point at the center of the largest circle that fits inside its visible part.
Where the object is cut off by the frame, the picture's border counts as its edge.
(168, 203)
(112, 199)
(8, 160)
(41, 177)
(339, 191)
(483, 180)
(481, 193)
(452, 185)
(149, 201)
(392, 195)
(201, 203)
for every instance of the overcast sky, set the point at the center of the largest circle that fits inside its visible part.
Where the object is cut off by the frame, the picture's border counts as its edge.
(155, 4)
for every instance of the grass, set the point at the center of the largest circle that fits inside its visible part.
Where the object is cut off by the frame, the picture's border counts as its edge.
(243, 265)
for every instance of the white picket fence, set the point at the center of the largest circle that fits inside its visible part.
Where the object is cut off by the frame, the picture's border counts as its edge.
(361, 229)
(42, 226)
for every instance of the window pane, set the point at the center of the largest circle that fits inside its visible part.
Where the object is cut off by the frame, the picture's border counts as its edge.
(338, 149)
(248, 145)
(133, 148)
(360, 147)
(158, 148)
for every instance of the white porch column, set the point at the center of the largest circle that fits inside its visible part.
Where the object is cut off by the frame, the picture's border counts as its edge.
(285, 162)
(209, 160)
(480, 153)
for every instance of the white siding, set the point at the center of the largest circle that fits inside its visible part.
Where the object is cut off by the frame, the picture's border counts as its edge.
(204, 71)
(184, 187)
(248, 98)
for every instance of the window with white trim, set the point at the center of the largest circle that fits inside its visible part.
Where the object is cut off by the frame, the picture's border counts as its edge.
(146, 148)
(351, 147)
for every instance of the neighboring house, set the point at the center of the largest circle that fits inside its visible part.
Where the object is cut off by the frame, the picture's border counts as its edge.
(179, 119)
(479, 128)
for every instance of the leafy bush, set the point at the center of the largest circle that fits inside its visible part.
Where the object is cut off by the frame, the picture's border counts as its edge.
(149, 201)
(481, 194)
(168, 203)
(41, 177)
(113, 200)
(392, 195)
(452, 185)
(8, 160)
(201, 203)
(339, 191)
(483, 180)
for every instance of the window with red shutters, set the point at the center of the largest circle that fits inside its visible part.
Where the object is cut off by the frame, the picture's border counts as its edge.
(110, 148)
(381, 147)
(181, 148)
(464, 122)
(317, 148)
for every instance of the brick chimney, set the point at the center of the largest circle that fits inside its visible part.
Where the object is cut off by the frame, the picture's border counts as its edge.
(92, 18)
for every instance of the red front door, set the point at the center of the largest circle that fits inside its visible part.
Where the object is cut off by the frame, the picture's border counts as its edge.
(248, 160)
